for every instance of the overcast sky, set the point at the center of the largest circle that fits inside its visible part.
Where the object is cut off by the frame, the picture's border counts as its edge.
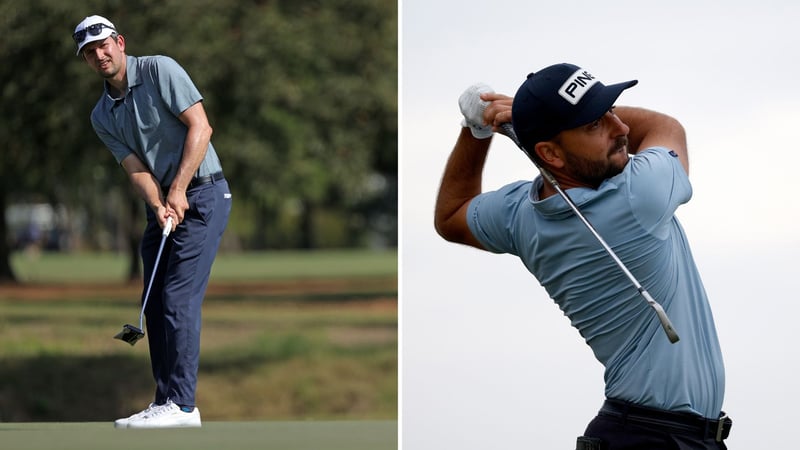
(487, 360)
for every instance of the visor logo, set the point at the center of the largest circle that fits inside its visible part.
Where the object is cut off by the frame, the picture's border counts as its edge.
(577, 85)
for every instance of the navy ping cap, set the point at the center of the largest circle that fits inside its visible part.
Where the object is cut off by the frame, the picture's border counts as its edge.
(560, 97)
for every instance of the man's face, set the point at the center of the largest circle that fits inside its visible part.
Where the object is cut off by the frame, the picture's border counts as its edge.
(595, 151)
(105, 56)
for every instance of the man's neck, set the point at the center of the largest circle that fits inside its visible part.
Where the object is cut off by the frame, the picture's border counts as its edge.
(116, 90)
(118, 84)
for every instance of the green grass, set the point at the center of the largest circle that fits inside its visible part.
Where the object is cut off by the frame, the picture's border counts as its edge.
(91, 267)
(287, 348)
(305, 435)
(318, 264)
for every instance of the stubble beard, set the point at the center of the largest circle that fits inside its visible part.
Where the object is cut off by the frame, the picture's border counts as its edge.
(595, 172)
(109, 71)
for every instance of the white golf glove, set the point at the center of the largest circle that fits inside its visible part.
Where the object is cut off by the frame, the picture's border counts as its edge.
(472, 108)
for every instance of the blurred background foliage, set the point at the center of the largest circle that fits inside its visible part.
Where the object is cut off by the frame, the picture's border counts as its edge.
(302, 96)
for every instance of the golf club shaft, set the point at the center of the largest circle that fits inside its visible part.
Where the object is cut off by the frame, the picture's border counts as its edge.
(672, 335)
(164, 234)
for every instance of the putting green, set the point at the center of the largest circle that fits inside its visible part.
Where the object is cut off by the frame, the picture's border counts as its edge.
(305, 435)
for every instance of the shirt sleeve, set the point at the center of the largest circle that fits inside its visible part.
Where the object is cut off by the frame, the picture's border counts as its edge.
(491, 216)
(174, 84)
(658, 185)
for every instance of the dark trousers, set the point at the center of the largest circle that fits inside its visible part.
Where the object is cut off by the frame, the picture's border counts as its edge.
(618, 428)
(173, 309)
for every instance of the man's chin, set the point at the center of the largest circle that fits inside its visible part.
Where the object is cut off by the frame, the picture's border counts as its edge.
(618, 164)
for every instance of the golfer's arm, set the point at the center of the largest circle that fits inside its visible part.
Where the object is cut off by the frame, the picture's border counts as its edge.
(144, 183)
(461, 183)
(198, 135)
(650, 129)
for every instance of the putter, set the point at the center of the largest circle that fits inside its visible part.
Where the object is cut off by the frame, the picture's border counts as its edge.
(130, 333)
(672, 335)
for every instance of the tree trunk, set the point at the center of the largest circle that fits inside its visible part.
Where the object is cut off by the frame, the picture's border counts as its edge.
(6, 272)
(307, 226)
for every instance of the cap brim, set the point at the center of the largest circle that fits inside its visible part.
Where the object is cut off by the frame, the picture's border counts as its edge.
(600, 103)
(89, 39)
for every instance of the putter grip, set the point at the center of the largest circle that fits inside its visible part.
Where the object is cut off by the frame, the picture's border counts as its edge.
(167, 227)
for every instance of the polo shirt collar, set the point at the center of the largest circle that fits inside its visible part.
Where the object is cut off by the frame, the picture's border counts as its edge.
(556, 207)
(132, 74)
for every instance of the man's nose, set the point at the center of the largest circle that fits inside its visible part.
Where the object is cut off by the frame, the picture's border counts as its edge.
(620, 128)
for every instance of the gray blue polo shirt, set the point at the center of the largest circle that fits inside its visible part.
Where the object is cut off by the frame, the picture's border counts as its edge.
(145, 120)
(634, 212)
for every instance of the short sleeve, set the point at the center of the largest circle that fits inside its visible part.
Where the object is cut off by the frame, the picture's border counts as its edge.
(491, 216)
(175, 86)
(658, 185)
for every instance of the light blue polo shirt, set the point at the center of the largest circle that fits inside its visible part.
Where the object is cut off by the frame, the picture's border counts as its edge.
(145, 121)
(634, 212)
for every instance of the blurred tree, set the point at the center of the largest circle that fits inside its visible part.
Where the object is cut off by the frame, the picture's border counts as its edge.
(43, 129)
(302, 97)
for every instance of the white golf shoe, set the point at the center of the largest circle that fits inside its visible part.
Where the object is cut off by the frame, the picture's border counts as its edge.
(123, 423)
(168, 415)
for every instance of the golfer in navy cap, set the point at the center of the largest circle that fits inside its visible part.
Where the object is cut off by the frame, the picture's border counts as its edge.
(626, 169)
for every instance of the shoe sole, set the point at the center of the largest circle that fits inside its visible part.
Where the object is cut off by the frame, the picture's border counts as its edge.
(182, 425)
(123, 422)
(138, 424)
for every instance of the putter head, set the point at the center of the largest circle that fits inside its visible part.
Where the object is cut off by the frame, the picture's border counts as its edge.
(130, 334)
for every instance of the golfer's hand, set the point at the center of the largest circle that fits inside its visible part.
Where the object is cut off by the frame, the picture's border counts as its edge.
(472, 108)
(498, 110)
(162, 214)
(177, 204)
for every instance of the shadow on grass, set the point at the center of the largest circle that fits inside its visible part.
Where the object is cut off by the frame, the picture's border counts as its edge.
(103, 388)
(80, 388)
(72, 389)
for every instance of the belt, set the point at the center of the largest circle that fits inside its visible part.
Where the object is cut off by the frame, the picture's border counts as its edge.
(213, 178)
(679, 422)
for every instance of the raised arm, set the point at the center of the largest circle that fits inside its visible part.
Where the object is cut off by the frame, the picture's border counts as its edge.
(463, 174)
(461, 182)
(649, 129)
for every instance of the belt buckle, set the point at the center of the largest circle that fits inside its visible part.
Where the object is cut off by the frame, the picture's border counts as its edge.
(720, 427)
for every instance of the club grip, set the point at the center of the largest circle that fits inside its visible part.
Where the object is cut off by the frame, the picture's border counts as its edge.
(167, 227)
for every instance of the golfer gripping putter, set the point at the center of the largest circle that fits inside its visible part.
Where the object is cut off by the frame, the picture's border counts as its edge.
(130, 333)
(662, 315)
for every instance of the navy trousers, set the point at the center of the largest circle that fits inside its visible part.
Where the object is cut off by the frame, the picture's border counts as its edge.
(647, 432)
(173, 309)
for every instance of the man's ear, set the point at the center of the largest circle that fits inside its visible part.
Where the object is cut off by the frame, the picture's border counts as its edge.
(121, 42)
(550, 154)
